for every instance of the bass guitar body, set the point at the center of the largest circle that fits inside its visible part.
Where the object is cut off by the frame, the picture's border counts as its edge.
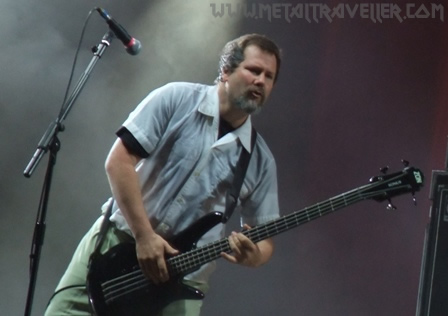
(116, 285)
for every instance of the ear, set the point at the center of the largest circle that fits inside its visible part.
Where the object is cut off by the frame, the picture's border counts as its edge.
(225, 74)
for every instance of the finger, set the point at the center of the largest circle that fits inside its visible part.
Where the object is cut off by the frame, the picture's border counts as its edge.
(170, 250)
(229, 258)
(235, 244)
(245, 242)
(153, 269)
(149, 271)
(231, 242)
(162, 270)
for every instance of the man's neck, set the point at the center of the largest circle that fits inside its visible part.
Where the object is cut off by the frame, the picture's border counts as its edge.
(235, 117)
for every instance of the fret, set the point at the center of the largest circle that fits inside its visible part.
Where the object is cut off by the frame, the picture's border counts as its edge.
(345, 201)
(318, 208)
(331, 205)
(307, 214)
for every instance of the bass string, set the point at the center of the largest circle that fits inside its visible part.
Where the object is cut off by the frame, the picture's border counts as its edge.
(182, 263)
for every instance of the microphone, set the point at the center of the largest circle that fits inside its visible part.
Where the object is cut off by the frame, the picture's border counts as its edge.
(131, 44)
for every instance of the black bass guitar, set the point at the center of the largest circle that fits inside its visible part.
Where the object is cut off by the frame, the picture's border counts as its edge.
(116, 285)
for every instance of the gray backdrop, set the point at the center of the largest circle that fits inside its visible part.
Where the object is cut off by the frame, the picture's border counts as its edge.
(355, 94)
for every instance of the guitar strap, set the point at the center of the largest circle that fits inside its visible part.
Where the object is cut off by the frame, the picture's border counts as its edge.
(240, 172)
(103, 229)
(231, 196)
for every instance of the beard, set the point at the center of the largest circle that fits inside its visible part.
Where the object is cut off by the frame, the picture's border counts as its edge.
(247, 104)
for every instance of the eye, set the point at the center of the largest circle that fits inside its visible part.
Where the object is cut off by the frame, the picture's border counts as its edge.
(254, 70)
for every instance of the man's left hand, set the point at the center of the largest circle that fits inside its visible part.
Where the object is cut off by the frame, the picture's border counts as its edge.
(245, 252)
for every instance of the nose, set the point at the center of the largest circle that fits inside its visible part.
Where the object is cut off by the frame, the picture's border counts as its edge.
(260, 79)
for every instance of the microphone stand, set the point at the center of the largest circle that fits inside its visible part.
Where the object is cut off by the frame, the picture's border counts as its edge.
(50, 142)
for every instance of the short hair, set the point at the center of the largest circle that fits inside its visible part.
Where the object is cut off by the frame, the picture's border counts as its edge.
(233, 52)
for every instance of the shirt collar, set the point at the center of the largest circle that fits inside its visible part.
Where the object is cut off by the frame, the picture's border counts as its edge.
(244, 133)
(210, 107)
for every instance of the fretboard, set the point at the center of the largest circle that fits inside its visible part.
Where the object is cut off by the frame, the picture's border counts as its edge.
(192, 260)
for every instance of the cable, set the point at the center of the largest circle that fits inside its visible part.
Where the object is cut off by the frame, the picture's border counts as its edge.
(75, 61)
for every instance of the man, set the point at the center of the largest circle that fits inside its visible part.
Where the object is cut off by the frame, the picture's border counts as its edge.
(173, 162)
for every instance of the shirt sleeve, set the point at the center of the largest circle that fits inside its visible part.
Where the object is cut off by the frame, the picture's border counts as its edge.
(148, 122)
(131, 143)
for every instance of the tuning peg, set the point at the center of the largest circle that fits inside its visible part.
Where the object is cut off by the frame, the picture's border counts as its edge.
(384, 169)
(405, 162)
(390, 206)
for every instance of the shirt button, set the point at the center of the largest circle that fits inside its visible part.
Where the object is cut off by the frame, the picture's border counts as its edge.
(163, 228)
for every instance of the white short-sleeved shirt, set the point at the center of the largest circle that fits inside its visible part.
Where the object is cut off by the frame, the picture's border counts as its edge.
(189, 169)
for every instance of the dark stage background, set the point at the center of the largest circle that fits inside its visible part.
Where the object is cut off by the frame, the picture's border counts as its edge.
(354, 95)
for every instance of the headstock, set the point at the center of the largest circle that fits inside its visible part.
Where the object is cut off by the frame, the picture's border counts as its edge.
(388, 185)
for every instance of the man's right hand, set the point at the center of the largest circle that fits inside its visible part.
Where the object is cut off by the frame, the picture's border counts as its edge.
(151, 253)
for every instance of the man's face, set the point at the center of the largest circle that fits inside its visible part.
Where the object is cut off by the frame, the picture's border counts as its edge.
(250, 84)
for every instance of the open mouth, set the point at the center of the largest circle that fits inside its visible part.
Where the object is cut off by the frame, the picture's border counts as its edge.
(256, 94)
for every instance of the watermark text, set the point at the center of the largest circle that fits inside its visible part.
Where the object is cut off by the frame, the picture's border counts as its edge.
(317, 12)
